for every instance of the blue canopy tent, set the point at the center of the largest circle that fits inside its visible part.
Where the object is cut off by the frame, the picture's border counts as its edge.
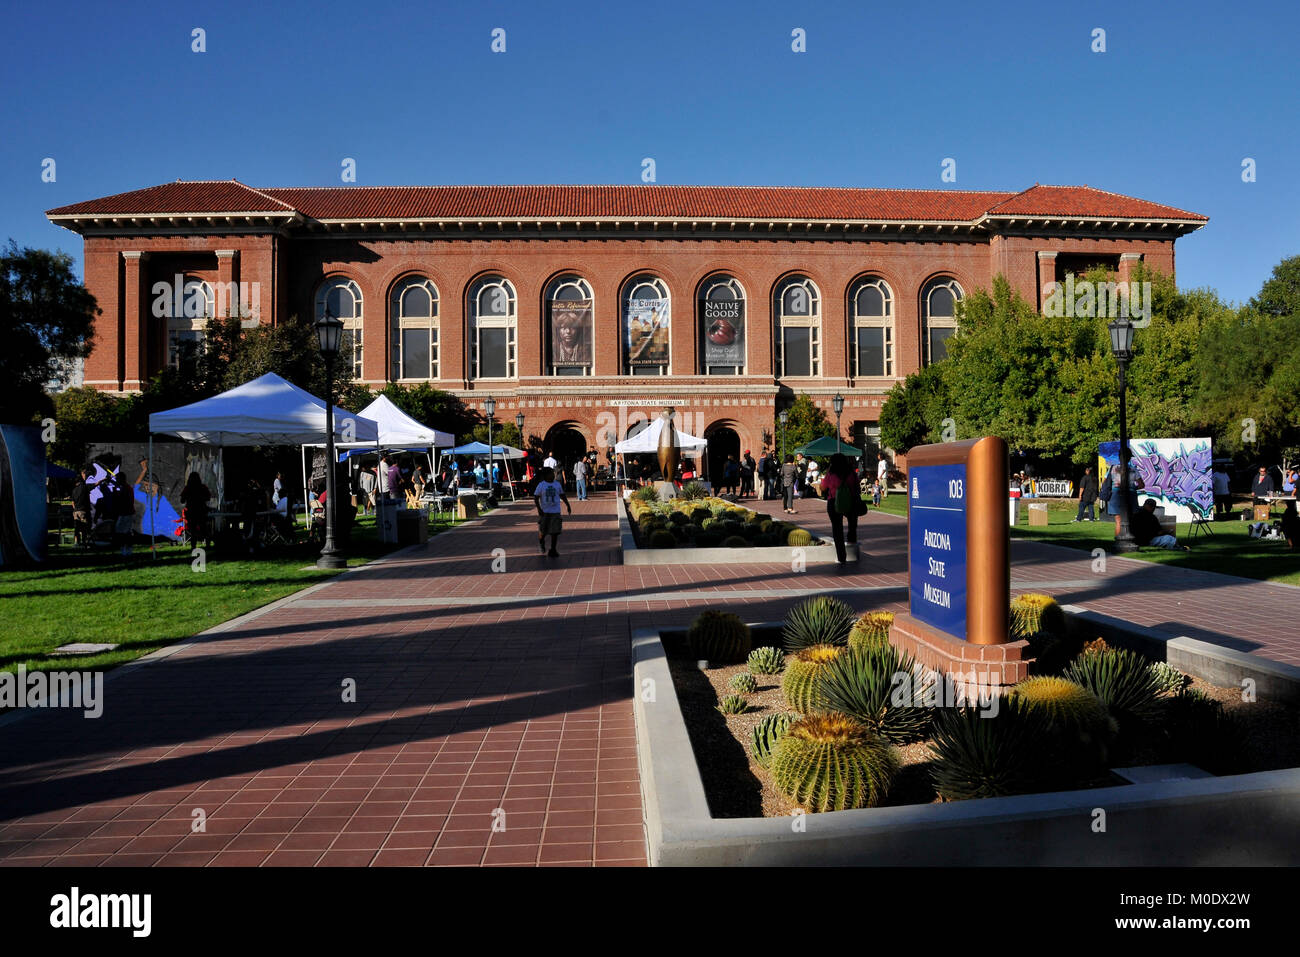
(503, 452)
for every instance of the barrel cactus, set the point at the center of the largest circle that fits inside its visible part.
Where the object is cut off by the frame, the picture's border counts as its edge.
(767, 733)
(821, 620)
(699, 514)
(662, 538)
(1077, 719)
(766, 660)
(831, 763)
(733, 704)
(735, 541)
(801, 673)
(743, 683)
(871, 629)
(799, 538)
(1036, 614)
(719, 636)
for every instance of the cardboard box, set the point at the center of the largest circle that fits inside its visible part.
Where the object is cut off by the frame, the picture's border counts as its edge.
(1037, 513)
(1263, 513)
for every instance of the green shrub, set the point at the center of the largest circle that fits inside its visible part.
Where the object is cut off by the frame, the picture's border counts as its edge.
(719, 637)
(871, 629)
(799, 538)
(1168, 678)
(646, 493)
(765, 660)
(733, 704)
(1036, 614)
(821, 620)
(735, 541)
(767, 733)
(831, 763)
(1122, 680)
(880, 687)
(743, 683)
(801, 671)
(978, 754)
(662, 538)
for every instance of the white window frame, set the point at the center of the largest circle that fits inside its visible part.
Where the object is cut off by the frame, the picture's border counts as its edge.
(812, 321)
(885, 322)
(191, 327)
(402, 322)
(930, 322)
(576, 282)
(630, 289)
(509, 322)
(727, 281)
(352, 324)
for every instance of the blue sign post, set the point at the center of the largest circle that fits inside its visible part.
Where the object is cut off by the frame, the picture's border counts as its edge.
(936, 500)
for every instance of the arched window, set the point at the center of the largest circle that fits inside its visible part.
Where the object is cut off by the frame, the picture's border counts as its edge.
(721, 314)
(647, 315)
(492, 317)
(413, 312)
(185, 331)
(341, 298)
(938, 317)
(798, 320)
(570, 327)
(871, 306)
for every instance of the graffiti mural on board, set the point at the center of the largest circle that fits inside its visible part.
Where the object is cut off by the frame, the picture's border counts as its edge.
(1175, 472)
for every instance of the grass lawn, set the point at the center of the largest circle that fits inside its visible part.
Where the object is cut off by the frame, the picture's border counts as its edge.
(142, 603)
(1230, 550)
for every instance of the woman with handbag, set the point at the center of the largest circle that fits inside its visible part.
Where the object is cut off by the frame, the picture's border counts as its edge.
(843, 501)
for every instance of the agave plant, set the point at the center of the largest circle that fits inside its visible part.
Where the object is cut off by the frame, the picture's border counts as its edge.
(979, 755)
(768, 732)
(733, 704)
(765, 660)
(879, 686)
(1123, 682)
(829, 762)
(1168, 678)
(821, 620)
(743, 683)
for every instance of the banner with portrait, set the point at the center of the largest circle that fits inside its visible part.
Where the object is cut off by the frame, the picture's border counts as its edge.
(571, 332)
(723, 322)
(646, 331)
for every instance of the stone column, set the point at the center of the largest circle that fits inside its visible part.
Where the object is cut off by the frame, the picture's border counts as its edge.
(135, 372)
(1046, 274)
(227, 298)
(1126, 263)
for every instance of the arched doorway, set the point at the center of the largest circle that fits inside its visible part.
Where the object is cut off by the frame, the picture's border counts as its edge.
(723, 443)
(567, 444)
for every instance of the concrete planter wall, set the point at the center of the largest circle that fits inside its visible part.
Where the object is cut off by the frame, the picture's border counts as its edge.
(1248, 819)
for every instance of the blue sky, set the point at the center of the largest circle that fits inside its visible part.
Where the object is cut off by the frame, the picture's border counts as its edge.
(712, 91)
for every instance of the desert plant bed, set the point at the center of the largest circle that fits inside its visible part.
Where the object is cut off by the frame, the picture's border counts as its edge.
(1090, 708)
(709, 522)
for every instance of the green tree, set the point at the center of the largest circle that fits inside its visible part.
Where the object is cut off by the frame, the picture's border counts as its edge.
(1280, 295)
(914, 410)
(48, 318)
(806, 422)
(82, 415)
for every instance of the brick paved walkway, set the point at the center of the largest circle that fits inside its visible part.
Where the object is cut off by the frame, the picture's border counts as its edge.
(492, 721)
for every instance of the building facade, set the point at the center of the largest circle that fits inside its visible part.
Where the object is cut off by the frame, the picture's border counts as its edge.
(589, 308)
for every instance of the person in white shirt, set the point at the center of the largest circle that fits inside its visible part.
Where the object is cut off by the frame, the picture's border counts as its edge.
(547, 496)
(549, 462)
(882, 476)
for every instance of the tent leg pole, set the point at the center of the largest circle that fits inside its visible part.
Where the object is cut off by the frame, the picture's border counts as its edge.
(153, 511)
(306, 501)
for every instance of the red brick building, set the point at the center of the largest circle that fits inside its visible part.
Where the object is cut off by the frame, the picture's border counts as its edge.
(588, 308)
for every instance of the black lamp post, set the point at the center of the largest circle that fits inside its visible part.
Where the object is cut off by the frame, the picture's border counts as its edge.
(838, 402)
(519, 424)
(490, 407)
(1121, 347)
(783, 416)
(329, 331)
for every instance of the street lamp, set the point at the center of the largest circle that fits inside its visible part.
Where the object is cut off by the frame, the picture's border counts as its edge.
(490, 407)
(523, 446)
(1121, 347)
(329, 332)
(838, 402)
(783, 416)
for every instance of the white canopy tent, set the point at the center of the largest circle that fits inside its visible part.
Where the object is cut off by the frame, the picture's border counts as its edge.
(268, 410)
(647, 440)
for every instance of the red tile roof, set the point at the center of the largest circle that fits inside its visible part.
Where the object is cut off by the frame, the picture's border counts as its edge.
(622, 202)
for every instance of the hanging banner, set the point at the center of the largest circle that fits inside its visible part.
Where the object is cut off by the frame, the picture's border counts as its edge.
(723, 321)
(571, 332)
(647, 332)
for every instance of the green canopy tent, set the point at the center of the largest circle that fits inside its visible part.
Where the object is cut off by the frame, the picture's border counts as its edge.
(828, 445)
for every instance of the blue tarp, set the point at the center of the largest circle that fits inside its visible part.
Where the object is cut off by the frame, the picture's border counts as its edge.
(58, 471)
